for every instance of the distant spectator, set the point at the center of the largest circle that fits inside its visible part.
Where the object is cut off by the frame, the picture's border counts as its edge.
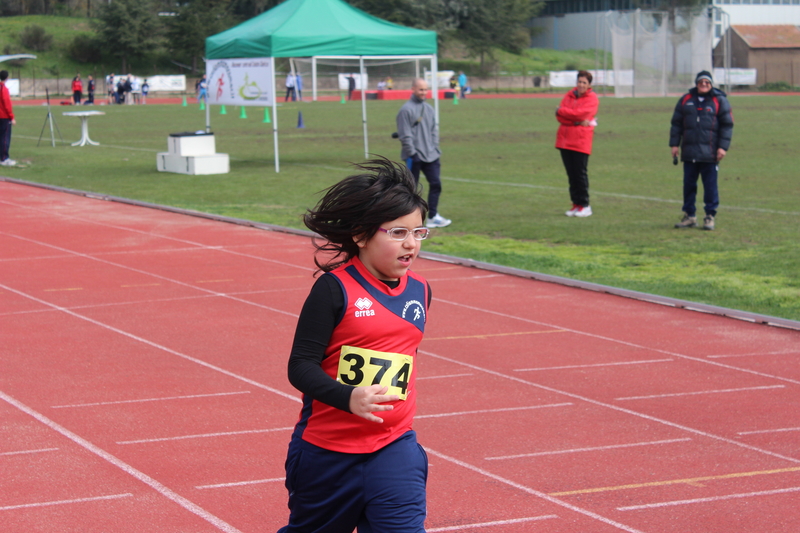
(77, 90)
(351, 86)
(462, 83)
(136, 89)
(201, 89)
(145, 90)
(6, 121)
(90, 91)
(121, 90)
(290, 88)
(298, 82)
(111, 89)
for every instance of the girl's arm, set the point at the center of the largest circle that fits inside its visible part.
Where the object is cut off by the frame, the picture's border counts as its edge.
(315, 326)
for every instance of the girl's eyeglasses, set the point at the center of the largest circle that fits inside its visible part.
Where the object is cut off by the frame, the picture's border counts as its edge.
(401, 234)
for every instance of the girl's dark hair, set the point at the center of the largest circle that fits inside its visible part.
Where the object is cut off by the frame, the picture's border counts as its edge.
(358, 205)
(585, 74)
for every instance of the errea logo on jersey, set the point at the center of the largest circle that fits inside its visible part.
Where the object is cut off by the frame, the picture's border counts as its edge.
(363, 305)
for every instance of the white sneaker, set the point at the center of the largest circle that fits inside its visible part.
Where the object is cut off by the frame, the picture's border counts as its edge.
(438, 221)
(8, 163)
(583, 211)
(571, 212)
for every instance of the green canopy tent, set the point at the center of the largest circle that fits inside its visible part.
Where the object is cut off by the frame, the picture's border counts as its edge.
(322, 28)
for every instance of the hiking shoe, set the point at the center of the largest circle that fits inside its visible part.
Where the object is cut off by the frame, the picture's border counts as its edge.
(571, 212)
(583, 211)
(708, 222)
(687, 221)
(438, 221)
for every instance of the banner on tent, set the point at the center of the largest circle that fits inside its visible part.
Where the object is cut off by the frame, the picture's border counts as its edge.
(247, 81)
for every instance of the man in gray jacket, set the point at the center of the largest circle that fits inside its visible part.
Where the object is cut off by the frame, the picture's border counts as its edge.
(419, 135)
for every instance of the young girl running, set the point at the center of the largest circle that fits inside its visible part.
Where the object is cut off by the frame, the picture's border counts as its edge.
(353, 460)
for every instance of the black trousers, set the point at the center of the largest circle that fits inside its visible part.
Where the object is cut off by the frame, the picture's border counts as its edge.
(576, 164)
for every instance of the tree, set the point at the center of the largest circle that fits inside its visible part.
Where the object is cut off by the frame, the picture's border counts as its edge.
(129, 28)
(187, 32)
(487, 24)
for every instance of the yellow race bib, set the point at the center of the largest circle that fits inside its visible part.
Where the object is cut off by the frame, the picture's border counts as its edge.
(360, 367)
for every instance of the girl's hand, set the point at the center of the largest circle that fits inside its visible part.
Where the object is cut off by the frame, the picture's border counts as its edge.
(365, 400)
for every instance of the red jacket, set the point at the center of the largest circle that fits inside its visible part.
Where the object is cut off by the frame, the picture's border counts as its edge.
(77, 86)
(576, 109)
(5, 103)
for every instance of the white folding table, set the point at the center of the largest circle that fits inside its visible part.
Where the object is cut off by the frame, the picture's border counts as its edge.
(84, 116)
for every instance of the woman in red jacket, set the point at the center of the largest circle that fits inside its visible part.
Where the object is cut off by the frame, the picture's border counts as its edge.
(577, 114)
(77, 90)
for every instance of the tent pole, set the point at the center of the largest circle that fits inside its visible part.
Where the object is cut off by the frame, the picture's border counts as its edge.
(275, 119)
(208, 110)
(314, 78)
(435, 86)
(364, 105)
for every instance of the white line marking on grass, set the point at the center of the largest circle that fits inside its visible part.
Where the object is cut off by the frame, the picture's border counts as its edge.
(531, 491)
(240, 483)
(66, 502)
(613, 407)
(490, 524)
(710, 499)
(719, 391)
(156, 345)
(500, 410)
(166, 398)
(562, 189)
(205, 435)
(593, 449)
(21, 452)
(567, 367)
(144, 478)
(778, 430)
(612, 194)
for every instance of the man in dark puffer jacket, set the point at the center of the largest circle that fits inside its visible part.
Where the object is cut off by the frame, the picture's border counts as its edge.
(704, 123)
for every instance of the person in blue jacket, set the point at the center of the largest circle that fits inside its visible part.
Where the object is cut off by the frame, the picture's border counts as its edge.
(702, 126)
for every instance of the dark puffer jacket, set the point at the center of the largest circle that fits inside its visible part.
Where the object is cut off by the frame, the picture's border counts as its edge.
(702, 126)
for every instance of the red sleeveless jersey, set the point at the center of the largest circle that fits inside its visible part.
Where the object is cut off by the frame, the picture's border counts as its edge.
(375, 342)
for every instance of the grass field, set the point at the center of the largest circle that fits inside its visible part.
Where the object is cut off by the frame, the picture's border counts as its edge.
(504, 185)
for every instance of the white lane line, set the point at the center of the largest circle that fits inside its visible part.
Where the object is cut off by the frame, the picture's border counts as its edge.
(156, 276)
(499, 410)
(592, 449)
(758, 354)
(611, 406)
(778, 430)
(66, 502)
(156, 345)
(240, 483)
(205, 435)
(618, 341)
(144, 478)
(164, 399)
(532, 492)
(447, 376)
(598, 365)
(491, 524)
(22, 452)
(710, 499)
(718, 391)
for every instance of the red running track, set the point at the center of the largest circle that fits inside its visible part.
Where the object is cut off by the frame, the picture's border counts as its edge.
(143, 388)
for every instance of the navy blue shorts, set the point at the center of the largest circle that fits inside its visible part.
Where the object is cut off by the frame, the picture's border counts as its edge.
(379, 492)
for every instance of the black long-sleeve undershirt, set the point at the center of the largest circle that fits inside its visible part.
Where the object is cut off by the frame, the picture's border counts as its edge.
(320, 315)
